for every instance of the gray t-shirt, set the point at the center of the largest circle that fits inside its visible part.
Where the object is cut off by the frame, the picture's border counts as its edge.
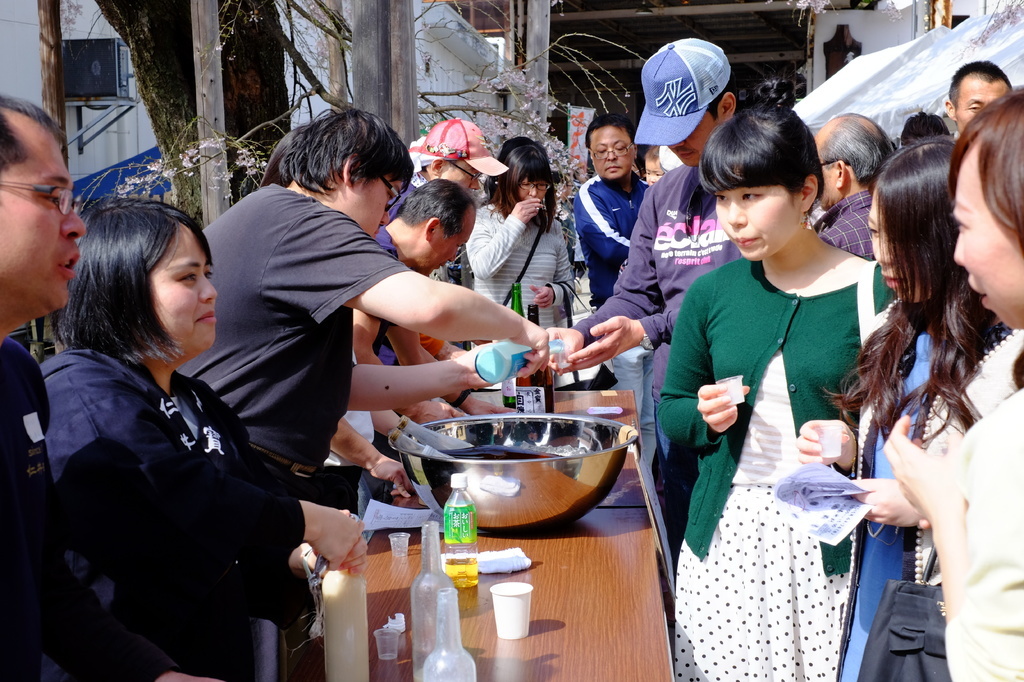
(284, 266)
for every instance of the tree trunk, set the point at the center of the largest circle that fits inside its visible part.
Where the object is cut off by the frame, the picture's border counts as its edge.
(159, 35)
(52, 58)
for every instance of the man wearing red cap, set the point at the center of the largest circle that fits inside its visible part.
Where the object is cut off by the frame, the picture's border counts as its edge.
(452, 150)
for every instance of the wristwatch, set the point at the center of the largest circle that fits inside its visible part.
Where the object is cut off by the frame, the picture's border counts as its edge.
(646, 344)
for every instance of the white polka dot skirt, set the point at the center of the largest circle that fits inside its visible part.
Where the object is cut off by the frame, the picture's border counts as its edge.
(759, 606)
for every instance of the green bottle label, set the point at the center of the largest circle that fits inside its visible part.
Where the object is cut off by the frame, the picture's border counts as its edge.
(460, 524)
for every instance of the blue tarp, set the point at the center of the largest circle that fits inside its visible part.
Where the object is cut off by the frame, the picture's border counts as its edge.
(133, 171)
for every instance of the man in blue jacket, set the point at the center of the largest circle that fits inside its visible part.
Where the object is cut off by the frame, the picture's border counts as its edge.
(676, 240)
(605, 210)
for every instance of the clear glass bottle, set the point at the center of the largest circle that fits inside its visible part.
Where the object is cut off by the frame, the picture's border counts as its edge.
(423, 596)
(460, 560)
(449, 661)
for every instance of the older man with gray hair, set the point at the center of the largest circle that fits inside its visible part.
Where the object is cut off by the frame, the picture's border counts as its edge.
(851, 148)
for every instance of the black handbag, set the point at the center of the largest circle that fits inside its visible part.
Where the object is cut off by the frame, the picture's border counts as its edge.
(907, 640)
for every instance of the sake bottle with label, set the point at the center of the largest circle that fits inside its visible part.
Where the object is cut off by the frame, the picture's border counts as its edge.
(508, 386)
(535, 394)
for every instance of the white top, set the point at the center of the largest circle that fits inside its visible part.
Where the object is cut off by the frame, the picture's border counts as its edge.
(986, 640)
(497, 251)
(769, 448)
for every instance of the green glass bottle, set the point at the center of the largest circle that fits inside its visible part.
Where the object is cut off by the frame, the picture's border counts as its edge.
(535, 394)
(508, 387)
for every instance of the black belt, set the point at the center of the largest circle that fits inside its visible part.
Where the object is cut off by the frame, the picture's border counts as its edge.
(293, 466)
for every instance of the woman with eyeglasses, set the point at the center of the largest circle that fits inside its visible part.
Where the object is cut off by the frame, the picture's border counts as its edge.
(516, 238)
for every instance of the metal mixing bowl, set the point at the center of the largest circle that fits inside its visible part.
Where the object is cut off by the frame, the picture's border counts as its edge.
(527, 494)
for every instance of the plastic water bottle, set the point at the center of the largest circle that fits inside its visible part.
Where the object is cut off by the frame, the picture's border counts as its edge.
(460, 559)
(423, 596)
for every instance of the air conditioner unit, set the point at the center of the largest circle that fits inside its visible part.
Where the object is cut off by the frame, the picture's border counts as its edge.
(95, 69)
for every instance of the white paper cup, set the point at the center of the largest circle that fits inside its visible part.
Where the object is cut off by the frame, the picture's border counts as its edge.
(735, 389)
(387, 643)
(512, 609)
(830, 437)
(399, 544)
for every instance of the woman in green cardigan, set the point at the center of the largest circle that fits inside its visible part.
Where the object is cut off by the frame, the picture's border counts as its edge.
(757, 600)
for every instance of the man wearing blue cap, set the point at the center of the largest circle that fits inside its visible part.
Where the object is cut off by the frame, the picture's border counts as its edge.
(676, 240)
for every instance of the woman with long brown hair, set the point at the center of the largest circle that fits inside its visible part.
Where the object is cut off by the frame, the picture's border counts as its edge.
(516, 238)
(973, 500)
(936, 355)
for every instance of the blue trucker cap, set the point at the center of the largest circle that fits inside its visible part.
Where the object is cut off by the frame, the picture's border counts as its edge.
(680, 81)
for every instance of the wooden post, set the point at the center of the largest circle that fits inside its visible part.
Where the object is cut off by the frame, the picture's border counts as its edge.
(51, 57)
(383, 53)
(538, 37)
(213, 168)
(337, 77)
(404, 93)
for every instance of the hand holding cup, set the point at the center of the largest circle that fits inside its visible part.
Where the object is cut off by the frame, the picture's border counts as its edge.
(716, 406)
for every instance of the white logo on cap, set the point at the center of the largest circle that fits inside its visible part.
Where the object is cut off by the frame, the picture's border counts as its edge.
(676, 99)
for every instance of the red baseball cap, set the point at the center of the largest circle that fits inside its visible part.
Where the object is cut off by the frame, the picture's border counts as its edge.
(458, 139)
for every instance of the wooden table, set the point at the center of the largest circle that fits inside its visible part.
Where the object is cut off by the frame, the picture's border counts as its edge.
(597, 612)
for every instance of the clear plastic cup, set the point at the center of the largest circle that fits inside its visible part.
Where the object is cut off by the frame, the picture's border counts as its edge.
(387, 643)
(512, 609)
(399, 544)
(734, 386)
(830, 437)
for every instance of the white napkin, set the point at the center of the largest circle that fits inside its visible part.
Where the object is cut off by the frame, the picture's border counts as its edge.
(503, 561)
(504, 486)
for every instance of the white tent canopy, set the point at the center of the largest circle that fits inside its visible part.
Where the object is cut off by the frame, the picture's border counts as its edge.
(890, 85)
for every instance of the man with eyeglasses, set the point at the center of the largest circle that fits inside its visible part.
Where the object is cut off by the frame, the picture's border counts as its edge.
(676, 239)
(453, 150)
(44, 607)
(605, 209)
(431, 229)
(851, 148)
(292, 261)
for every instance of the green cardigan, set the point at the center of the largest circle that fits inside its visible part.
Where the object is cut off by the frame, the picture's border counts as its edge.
(731, 323)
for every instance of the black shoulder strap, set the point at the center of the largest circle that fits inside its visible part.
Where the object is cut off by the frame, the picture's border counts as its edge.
(522, 272)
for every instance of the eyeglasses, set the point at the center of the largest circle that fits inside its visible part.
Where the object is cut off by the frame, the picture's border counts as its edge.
(459, 253)
(616, 151)
(829, 163)
(541, 187)
(393, 192)
(65, 200)
(474, 176)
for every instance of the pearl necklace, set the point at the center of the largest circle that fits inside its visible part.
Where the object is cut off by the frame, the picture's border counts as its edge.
(919, 561)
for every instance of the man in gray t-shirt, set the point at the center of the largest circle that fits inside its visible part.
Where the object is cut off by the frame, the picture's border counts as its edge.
(291, 263)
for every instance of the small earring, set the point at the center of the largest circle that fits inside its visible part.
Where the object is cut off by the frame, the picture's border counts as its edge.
(807, 222)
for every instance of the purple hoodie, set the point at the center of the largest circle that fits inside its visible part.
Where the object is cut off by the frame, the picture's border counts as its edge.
(664, 259)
